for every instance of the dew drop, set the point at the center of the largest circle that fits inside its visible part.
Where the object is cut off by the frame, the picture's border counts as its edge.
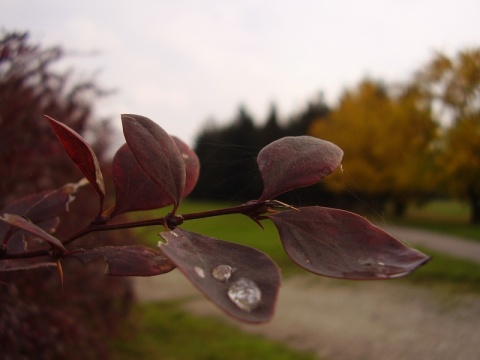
(199, 271)
(222, 272)
(245, 294)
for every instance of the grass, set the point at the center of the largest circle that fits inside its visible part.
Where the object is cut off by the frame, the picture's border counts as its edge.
(163, 331)
(233, 228)
(443, 216)
(447, 273)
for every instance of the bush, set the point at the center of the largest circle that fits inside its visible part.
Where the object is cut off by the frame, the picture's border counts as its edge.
(37, 319)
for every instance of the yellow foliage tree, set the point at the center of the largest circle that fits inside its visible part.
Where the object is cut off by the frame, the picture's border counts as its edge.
(453, 86)
(386, 139)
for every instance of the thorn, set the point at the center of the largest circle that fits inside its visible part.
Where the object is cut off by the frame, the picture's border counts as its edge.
(275, 204)
(165, 224)
(272, 211)
(60, 272)
(257, 221)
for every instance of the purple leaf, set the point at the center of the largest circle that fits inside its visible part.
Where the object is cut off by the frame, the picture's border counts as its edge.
(24, 204)
(81, 154)
(157, 154)
(13, 236)
(294, 162)
(26, 264)
(192, 166)
(240, 280)
(55, 203)
(135, 190)
(42, 209)
(24, 224)
(341, 244)
(127, 260)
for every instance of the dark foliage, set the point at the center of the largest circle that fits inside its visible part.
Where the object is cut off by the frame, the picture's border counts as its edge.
(227, 156)
(30, 88)
(37, 319)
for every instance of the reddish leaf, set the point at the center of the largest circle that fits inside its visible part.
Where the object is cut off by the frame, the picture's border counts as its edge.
(55, 203)
(24, 224)
(225, 272)
(293, 162)
(23, 205)
(157, 154)
(192, 166)
(341, 244)
(13, 236)
(26, 264)
(135, 190)
(42, 209)
(81, 154)
(127, 260)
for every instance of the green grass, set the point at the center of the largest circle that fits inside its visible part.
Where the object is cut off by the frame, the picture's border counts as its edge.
(447, 273)
(234, 228)
(163, 331)
(443, 216)
(441, 210)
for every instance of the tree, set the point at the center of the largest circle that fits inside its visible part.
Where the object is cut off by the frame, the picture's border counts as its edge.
(301, 123)
(386, 139)
(227, 155)
(452, 85)
(272, 130)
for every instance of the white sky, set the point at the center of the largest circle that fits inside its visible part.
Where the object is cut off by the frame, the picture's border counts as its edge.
(181, 62)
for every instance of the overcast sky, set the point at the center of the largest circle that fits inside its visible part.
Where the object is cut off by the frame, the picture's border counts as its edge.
(181, 62)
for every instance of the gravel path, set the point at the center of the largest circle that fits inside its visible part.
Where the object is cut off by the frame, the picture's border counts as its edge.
(358, 320)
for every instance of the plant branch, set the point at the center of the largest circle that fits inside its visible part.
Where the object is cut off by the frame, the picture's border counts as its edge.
(252, 209)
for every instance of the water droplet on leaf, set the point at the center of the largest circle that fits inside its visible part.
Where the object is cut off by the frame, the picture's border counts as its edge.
(222, 272)
(245, 294)
(199, 271)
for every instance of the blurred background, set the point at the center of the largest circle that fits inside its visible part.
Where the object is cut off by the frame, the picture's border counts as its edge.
(395, 84)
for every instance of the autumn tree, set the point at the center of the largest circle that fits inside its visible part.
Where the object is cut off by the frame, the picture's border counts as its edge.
(452, 87)
(386, 135)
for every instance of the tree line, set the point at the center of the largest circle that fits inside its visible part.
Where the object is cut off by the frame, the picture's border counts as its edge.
(228, 153)
(404, 142)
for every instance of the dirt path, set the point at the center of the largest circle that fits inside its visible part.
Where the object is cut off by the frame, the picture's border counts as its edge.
(354, 320)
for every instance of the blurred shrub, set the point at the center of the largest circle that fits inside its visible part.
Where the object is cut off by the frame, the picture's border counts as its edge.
(37, 319)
